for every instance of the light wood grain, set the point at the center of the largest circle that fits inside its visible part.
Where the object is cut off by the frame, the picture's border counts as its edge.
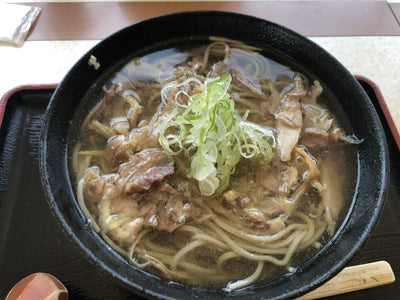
(354, 278)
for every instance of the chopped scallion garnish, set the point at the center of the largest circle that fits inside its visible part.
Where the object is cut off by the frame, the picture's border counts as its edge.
(212, 136)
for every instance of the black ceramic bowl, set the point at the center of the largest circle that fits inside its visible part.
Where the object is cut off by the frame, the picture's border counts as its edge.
(175, 29)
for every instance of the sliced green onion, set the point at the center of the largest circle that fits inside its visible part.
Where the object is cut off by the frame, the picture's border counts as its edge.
(212, 136)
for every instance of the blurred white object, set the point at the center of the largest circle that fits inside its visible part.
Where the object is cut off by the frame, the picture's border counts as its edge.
(15, 22)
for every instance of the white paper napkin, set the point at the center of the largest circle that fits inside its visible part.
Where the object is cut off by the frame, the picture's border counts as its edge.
(15, 22)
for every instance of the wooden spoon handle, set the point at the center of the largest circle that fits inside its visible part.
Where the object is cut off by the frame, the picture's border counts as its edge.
(354, 278)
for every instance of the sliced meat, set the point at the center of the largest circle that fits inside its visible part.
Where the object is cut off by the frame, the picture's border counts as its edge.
(125, 112)
(312, 137)
(165, 208)
(123, 215)
(100, 186)
(122, 108)
(140, 139)
(117, 212)
(316, 125)
(270, 107)
(184, 72)
(175, 214)
(121, 148)
(289, 120)
(240, 78)
(146, 168)
(316, 116)
(94, 183)
(127, 230)
(115, 103)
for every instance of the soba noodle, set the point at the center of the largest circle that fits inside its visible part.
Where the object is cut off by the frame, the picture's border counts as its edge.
(271, 207)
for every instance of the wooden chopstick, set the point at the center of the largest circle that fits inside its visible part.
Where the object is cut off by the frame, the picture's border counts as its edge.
(354, 278)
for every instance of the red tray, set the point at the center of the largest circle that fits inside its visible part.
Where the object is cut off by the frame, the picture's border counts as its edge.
(31, 240)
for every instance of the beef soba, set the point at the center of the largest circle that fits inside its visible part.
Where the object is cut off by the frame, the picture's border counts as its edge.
(212, 166)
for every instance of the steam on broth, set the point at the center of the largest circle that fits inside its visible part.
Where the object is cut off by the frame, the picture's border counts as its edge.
(212, 166)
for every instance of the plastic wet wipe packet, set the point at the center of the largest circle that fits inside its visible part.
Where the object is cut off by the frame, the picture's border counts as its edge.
(15, 22)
